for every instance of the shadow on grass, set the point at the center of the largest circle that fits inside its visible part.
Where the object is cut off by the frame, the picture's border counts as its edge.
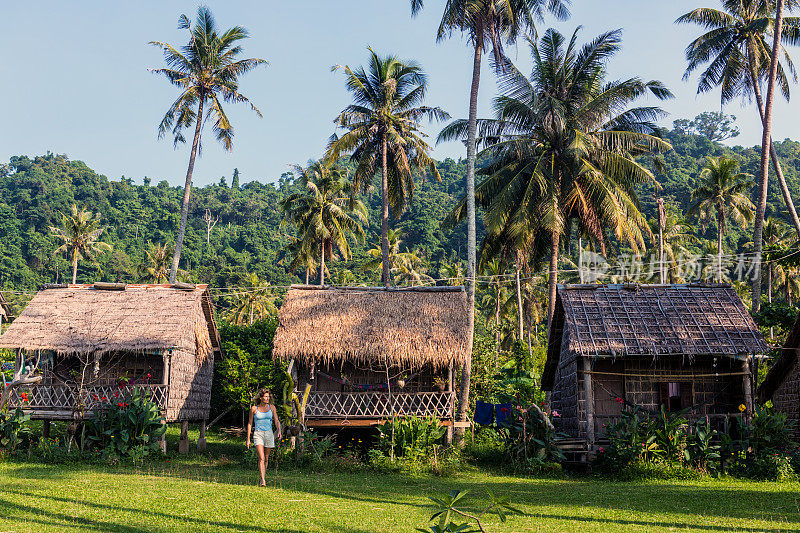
(6, 507)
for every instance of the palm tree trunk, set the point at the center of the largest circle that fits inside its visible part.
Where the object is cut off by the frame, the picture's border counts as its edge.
(766, 140)
(74, 266)
(466, 371)
(187, 191)
(322, 264)
(787, 197)
(519, 304)
(306, 275)
(720, 231)
(384, 213)
(553, 273)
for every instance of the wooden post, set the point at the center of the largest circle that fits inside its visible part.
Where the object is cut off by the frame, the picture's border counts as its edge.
(448, 438)
(201, 441)
(46, 429)
(748, 388)
(589, 400)
(183, 443)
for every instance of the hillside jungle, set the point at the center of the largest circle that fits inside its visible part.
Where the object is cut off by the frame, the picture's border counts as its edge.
(235, 236)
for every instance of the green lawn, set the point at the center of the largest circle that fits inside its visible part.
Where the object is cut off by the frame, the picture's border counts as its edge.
(205, 493)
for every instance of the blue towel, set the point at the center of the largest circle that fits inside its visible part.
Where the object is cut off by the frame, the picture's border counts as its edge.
(483, 413)
(502, 413)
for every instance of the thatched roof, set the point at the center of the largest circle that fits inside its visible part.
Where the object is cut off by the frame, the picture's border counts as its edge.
(141, 318)
(408, 326)
(650, 320)
(783, 364)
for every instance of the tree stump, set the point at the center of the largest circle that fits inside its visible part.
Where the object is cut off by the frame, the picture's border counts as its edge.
(183, 443)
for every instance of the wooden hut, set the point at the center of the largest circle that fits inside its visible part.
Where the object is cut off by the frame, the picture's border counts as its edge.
(684, 347)
(371, 353)
(92, 341)
(782, 382)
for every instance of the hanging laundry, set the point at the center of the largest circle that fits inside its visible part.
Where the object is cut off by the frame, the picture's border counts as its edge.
(502, 413)
(483, 413)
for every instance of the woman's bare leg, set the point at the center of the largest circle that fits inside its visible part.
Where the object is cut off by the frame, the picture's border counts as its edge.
(262, 462)
(266, 459)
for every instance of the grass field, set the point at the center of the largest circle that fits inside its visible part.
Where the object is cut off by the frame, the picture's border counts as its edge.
(208, 493)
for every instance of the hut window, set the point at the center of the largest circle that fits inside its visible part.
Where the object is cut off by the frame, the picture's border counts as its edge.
(675, 396)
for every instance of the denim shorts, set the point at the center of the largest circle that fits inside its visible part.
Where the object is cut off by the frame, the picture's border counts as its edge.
(264, 438)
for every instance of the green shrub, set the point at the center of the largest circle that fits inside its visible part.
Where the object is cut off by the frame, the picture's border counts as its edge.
(529, 440)
(412, 435)
(51, 450)
(13, 429)
(117, 427)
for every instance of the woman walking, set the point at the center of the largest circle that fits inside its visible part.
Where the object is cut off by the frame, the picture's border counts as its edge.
(264, 414)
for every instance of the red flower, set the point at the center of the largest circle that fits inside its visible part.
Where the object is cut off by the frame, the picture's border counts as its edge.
(119, 404)
(24, 396)
(116, 394)
(95, 397)
(620, 400)
(104, 398)
(148, 376)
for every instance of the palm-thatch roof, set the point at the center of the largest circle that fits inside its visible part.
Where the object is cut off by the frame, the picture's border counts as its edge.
(650, 320)
(138, 318)
(783, 365)
(402, 326)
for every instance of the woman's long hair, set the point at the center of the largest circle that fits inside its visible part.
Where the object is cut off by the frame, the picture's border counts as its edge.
(260, 395)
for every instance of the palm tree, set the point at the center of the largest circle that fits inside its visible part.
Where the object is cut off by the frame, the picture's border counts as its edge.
(156, 264)
(375, 259)
(563, 149)
(206, 70)
(739, 59)
(487, 23)
(383, 133)
(406, 266)
(453, 273)
(494, 296)
(252, 303)
(776, 237)
(301, 257)
(722, 193)
(677, 236)
(79, 234)
(326, 213)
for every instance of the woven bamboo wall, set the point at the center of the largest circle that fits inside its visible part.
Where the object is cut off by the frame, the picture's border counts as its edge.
(565, 392)
(189, 387)
(786, 397)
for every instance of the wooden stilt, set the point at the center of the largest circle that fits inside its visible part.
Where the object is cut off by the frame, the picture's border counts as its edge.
(589, 399)
(201, 441)
(183, 443)
(46, 429)
(747, 382)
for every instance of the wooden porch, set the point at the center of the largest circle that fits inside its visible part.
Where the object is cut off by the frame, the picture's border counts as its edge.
(60, 402)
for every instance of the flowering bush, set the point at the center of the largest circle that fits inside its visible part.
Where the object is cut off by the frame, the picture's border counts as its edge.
(125, 422)
(530, 438)
(412, 435)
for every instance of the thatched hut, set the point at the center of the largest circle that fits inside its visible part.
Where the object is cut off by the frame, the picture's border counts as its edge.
(685, 347)
(782, 382)
(371, 353)
(92, 341)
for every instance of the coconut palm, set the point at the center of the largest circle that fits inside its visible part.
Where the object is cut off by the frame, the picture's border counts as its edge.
(326, 213)
(79, 234)
(252, 303)
(383, 133)
(776, 237)
(677, 236)
(722, 194)
(300, 257)
(410, 268)
(375, 260)
(563, 149)
(453, 273)
(156, 264)
(488, 24)
(207, 71)
(738, 55)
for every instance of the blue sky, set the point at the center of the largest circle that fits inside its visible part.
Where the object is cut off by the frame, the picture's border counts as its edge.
(75, 76)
